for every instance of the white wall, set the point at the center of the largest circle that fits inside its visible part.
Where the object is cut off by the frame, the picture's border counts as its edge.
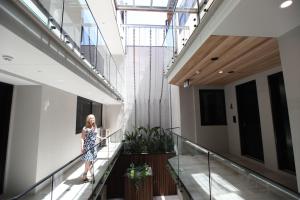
(23, 139)
(58, 142)
(175, 107)
(289, 46)
(187, 113)
(211, 137)
(42, 135)
(266, 121)
(112, 117)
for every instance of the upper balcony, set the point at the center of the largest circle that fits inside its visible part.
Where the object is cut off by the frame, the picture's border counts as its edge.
(77, 39)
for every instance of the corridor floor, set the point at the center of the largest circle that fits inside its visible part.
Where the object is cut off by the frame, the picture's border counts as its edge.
(227, 181)
(68, 185)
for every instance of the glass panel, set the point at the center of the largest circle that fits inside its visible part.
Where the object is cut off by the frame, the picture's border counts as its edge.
(142, 2)
(125, 2)
(54, 8)
(75, 15)
(143, 17)
(101, 63)
(230, 181)
(169, 48)
(88, 37)
(69, 183)
(43, 191)
(186, 4)
(193, 169)
(160, 3)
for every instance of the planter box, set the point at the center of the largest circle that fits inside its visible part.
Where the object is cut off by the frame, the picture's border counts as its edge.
(144, 192)
(163, 184)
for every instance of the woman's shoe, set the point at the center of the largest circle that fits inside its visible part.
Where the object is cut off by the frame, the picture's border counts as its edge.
(84, 177)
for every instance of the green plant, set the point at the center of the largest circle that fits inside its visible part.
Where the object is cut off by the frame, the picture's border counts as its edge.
(137, 174)
(148, 140)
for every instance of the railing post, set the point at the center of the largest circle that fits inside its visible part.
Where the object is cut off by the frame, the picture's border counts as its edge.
(209, 175)
(52, 185)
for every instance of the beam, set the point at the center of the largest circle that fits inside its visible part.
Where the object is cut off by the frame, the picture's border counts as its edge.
(156, 9)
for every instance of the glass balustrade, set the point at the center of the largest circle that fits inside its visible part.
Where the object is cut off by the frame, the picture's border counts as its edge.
(203, 174)
(73, 22)
(66, 182)
(180, 25)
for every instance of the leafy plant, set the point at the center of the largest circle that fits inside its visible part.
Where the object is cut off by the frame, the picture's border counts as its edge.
(148, 140)
(137, 174)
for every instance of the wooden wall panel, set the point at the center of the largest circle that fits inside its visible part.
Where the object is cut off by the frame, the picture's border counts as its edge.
(163, 184)
(145, 192)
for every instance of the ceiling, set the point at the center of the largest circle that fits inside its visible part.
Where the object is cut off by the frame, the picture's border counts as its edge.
(31, 66)
(105, 15)
(260, 18)
(237, 57)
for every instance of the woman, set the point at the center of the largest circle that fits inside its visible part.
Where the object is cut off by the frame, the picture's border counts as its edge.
(88, 149)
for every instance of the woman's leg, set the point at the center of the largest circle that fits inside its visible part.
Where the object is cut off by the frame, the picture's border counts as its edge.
(91, 167)
(86, 169)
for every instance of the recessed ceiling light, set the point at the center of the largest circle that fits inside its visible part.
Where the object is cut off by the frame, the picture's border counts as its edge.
(7, 58)
(286, 3)
(214, 58)
(230, 72)
(39, 71)
(220, 72)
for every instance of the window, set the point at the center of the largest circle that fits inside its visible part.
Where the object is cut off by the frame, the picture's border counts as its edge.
(212, 107)
(84, 108)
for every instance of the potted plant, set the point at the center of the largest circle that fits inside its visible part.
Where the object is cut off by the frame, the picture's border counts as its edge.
(138, 182)
(153, 146)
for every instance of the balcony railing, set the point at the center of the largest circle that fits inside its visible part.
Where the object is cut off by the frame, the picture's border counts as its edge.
(65, 182)
(206, 175)
(176, 39)
(72, 22)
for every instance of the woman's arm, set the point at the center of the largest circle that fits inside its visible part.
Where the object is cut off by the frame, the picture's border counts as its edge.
(82, 138)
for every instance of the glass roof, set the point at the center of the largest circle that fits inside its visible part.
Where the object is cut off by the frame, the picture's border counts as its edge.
(150, 3)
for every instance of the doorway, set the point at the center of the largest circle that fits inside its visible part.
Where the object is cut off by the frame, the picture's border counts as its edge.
(6, 92)
(249, 121)
(281, 123)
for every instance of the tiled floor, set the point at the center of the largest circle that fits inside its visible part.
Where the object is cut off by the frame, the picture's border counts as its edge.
(68, 185)
(284, 178)
(227, 181)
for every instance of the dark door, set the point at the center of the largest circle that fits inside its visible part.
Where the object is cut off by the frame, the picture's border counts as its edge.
(6, 91)
(281, 123)
(249, 121)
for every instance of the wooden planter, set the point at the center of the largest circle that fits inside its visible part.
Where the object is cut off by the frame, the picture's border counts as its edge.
(145, 191)
(163, 184)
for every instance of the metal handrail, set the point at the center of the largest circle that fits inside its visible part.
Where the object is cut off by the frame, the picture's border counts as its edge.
(59, 169)
(263, 178)
(65, 35)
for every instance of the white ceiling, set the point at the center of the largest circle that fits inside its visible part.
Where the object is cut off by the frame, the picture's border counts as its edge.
(260, 18)
(13, 80)
(104, 13)
(30, 64)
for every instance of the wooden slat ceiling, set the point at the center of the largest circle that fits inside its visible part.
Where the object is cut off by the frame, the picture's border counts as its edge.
(238, 57)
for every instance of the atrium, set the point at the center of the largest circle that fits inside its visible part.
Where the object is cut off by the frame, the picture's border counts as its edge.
(192, 99)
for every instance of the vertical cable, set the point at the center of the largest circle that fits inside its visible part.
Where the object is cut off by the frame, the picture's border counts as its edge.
(170, 102)
(161, 91)
(150, 71)
(134, 92)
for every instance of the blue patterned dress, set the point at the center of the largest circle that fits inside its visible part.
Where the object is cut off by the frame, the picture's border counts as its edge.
(89, 142)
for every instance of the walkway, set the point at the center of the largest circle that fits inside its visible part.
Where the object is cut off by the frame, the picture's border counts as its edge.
(228, 181)
(68, 185)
